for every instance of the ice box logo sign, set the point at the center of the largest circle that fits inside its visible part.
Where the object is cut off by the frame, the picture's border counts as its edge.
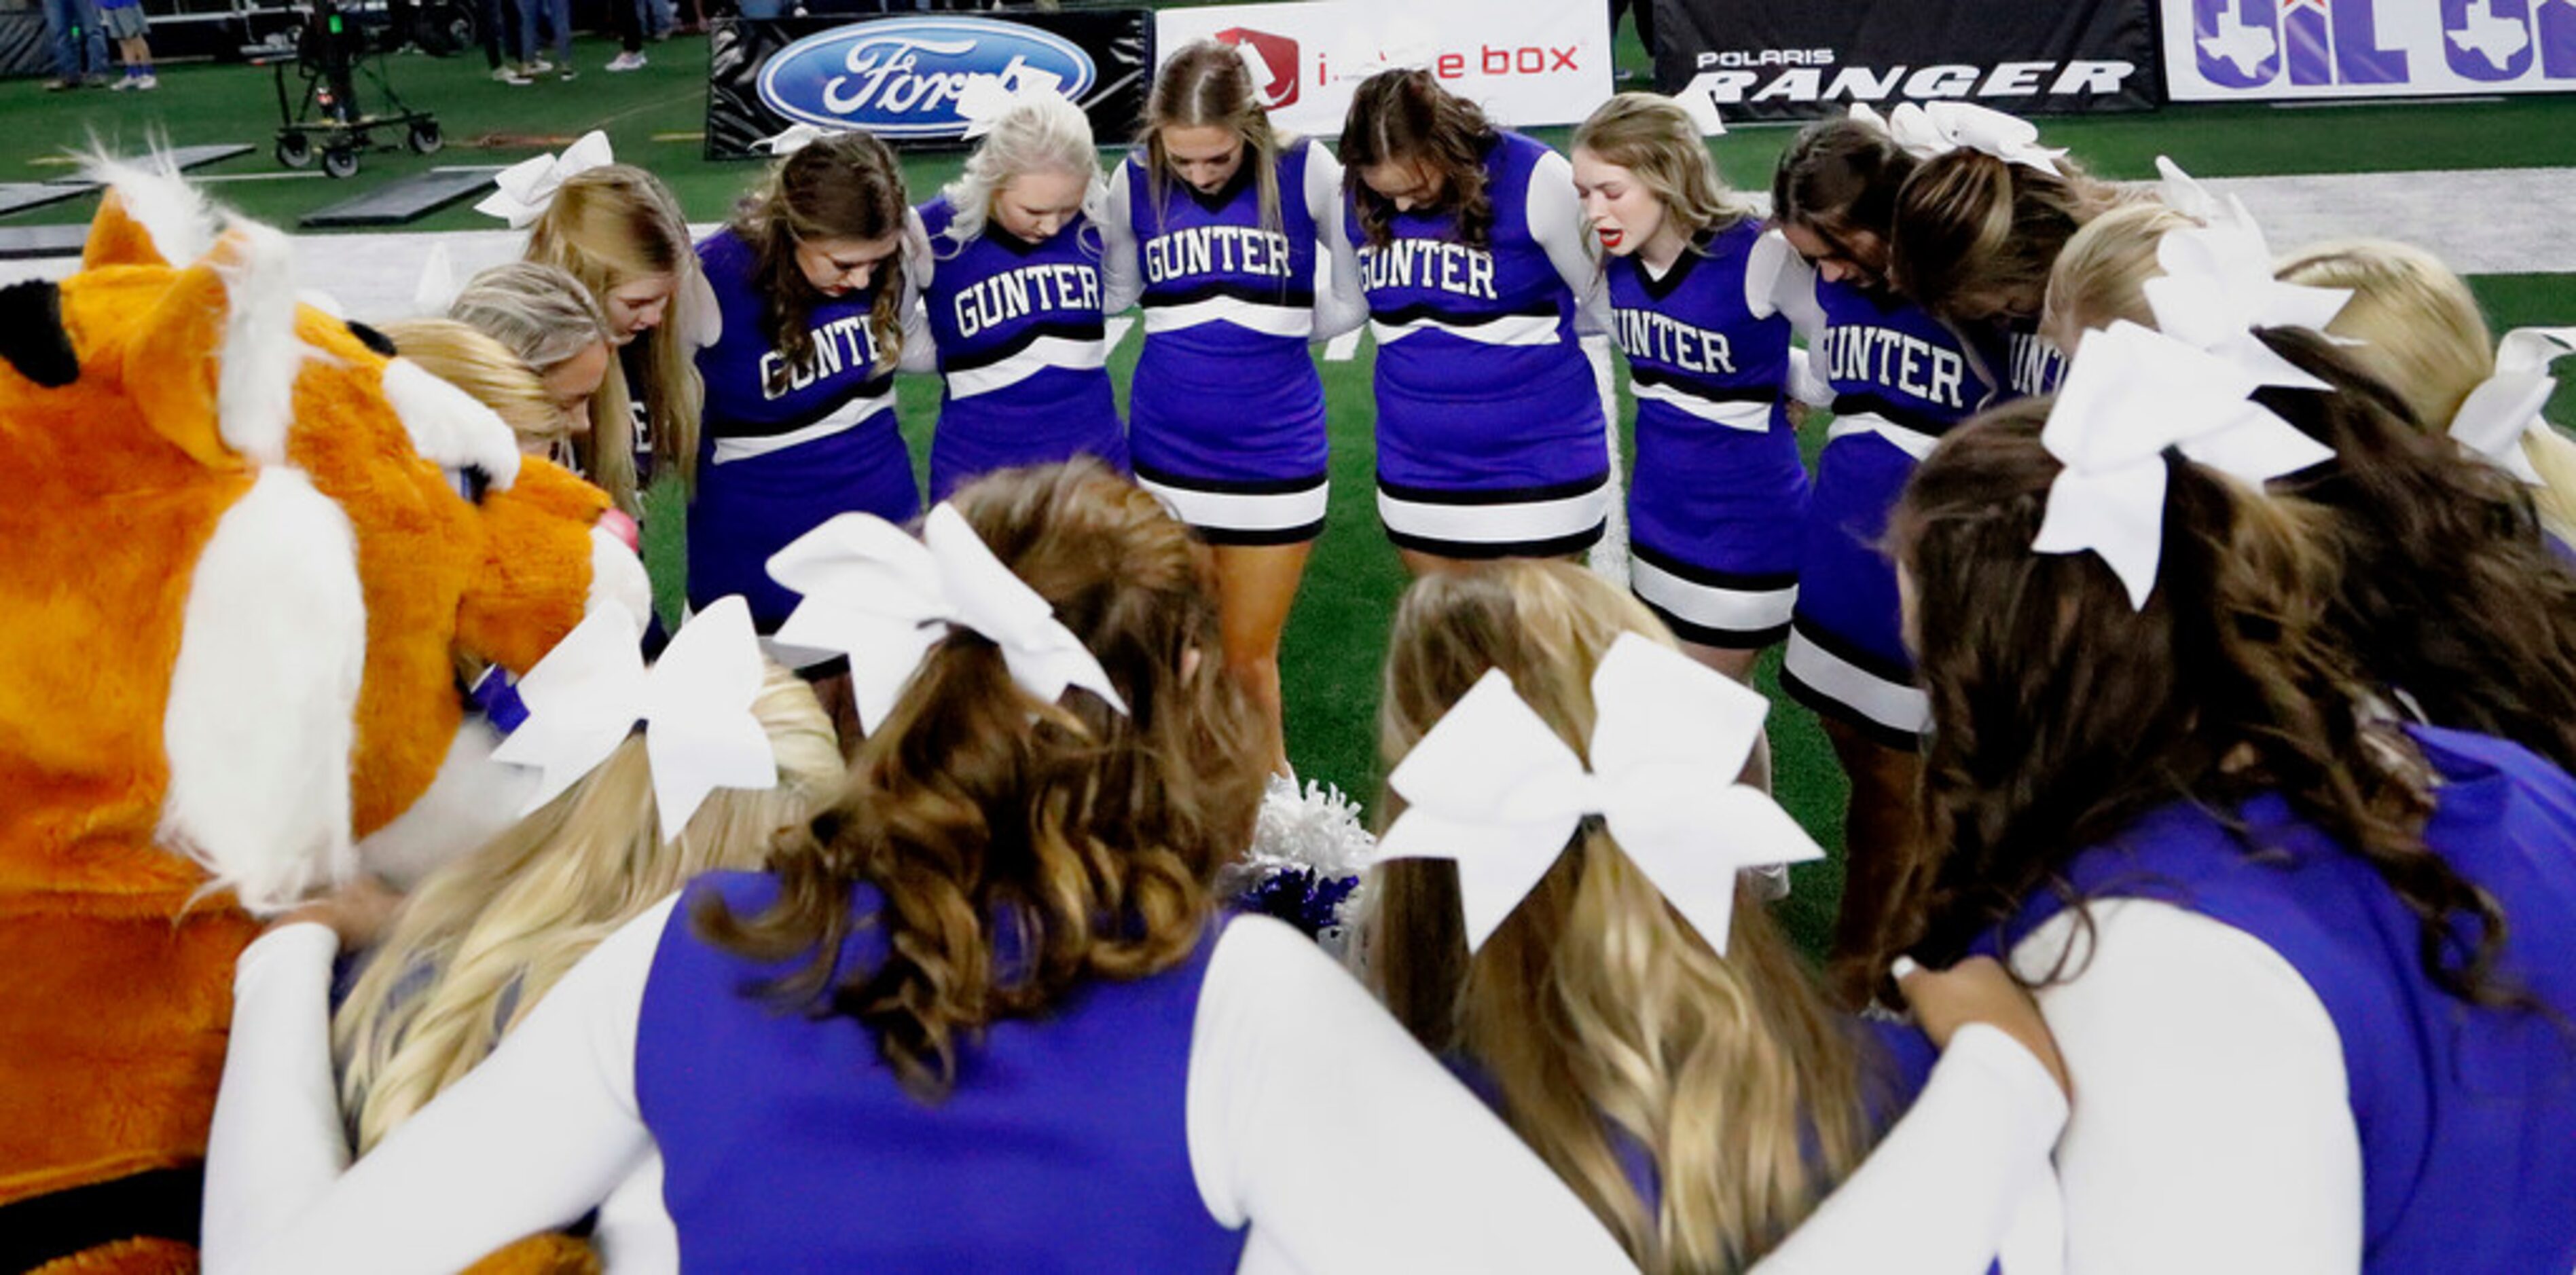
(902, 78)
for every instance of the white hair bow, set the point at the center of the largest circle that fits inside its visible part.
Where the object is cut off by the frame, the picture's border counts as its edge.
(984, 99)
(1701, 106)
(2184, 193)
(695, 704)
(885, 599)
(1493, 787)
(2130, 393)
(1925, 130)
(793, 138)
(2218, 287)
(2505, 406)
(529, 186)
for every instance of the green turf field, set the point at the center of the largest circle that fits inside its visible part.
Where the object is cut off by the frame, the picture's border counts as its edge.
(1339, 630)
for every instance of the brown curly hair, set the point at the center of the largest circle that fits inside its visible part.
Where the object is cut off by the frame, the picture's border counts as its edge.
(1024, 848)
(2450, 593)
(842, 186)
(1401, 116)
(2062, 714)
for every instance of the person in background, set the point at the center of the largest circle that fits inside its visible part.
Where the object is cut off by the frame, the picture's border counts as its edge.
(125, 22)
(80, 47)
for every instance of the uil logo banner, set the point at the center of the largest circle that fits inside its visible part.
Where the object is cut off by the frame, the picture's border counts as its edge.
(2366, 48)
(902, 78)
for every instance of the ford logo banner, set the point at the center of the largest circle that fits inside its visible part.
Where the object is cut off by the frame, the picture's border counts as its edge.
(901, 78)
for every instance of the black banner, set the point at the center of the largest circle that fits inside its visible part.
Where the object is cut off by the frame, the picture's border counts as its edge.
(1816, 57)
(901, 77)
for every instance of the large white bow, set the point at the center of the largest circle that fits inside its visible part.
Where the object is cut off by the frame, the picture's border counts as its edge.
(529, 186)
(2130, 393)
(695, 703)
(984, 99)
(1928, 129)
(2218, 287)
(1493, 787)
(885, 599)
(2184, 193)
(2505, 406)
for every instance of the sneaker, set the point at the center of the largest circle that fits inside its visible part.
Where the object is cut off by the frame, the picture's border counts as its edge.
(510, 75)
(60, 84)
(627, 62)
(146, 81)
(568, 74)
(535, 67)
(128, 82)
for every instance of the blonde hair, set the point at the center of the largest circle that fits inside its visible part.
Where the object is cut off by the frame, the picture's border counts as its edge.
(1045, 134)
(2101, 275)
(491, 932)
(1595, 1004)
(2421, 332)
(1652, 137)
(541, 312)
(464, 357)
(608, 227)
(1205, 84)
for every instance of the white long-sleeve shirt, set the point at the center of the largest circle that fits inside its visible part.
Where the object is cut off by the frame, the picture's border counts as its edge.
(1311, 1117)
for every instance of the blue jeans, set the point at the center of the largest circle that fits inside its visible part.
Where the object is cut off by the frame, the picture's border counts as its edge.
(64, 18)
(558, 15)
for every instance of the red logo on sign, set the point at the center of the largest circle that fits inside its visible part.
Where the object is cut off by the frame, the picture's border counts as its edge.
(1273, 59)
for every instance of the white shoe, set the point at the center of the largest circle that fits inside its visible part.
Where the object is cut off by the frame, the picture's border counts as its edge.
(147, 81)
(627, 62)
(511, 75)
(535, 67)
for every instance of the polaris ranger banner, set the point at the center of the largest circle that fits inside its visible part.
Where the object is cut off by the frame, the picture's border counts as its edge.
(1816, 57)
(904, 78)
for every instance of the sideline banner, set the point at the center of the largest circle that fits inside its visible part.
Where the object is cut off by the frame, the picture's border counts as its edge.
(1816, 57)
(1527, 62)
(2223, 50)
(900, 77)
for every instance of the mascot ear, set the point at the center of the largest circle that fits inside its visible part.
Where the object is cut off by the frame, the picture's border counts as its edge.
(213, 367)
(32, 336)
(174, 361)
(117, 237)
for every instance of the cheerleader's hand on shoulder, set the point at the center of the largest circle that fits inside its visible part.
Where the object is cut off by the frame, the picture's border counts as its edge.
(358, 912)
(1978, 990)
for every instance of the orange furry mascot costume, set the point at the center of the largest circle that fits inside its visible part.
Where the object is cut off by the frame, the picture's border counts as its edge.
(246, 555)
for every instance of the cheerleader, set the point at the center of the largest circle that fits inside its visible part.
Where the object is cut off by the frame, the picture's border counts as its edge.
(2455, 596)
(1014, 300)
(1490, 439)
(618, 230)
(945, 1030)
(1219, 222)
(1704, 1149)
(2312, 972)
(468, 956)
(1897, 377)
(548, 319)
(1720, 490)
(800, 420)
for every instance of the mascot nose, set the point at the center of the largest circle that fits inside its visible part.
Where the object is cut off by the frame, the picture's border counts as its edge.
(616, 523)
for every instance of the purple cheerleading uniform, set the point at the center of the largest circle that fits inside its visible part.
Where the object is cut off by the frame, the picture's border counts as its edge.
(1021, 350)
(779, 457)
(2466, 1116)
(1720, 491)
(1901, 379)
(2029, 364)
(1490, 439)
(788, 1144)
(1226, 412)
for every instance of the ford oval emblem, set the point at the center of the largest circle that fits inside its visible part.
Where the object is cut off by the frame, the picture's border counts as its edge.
(902, 77)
